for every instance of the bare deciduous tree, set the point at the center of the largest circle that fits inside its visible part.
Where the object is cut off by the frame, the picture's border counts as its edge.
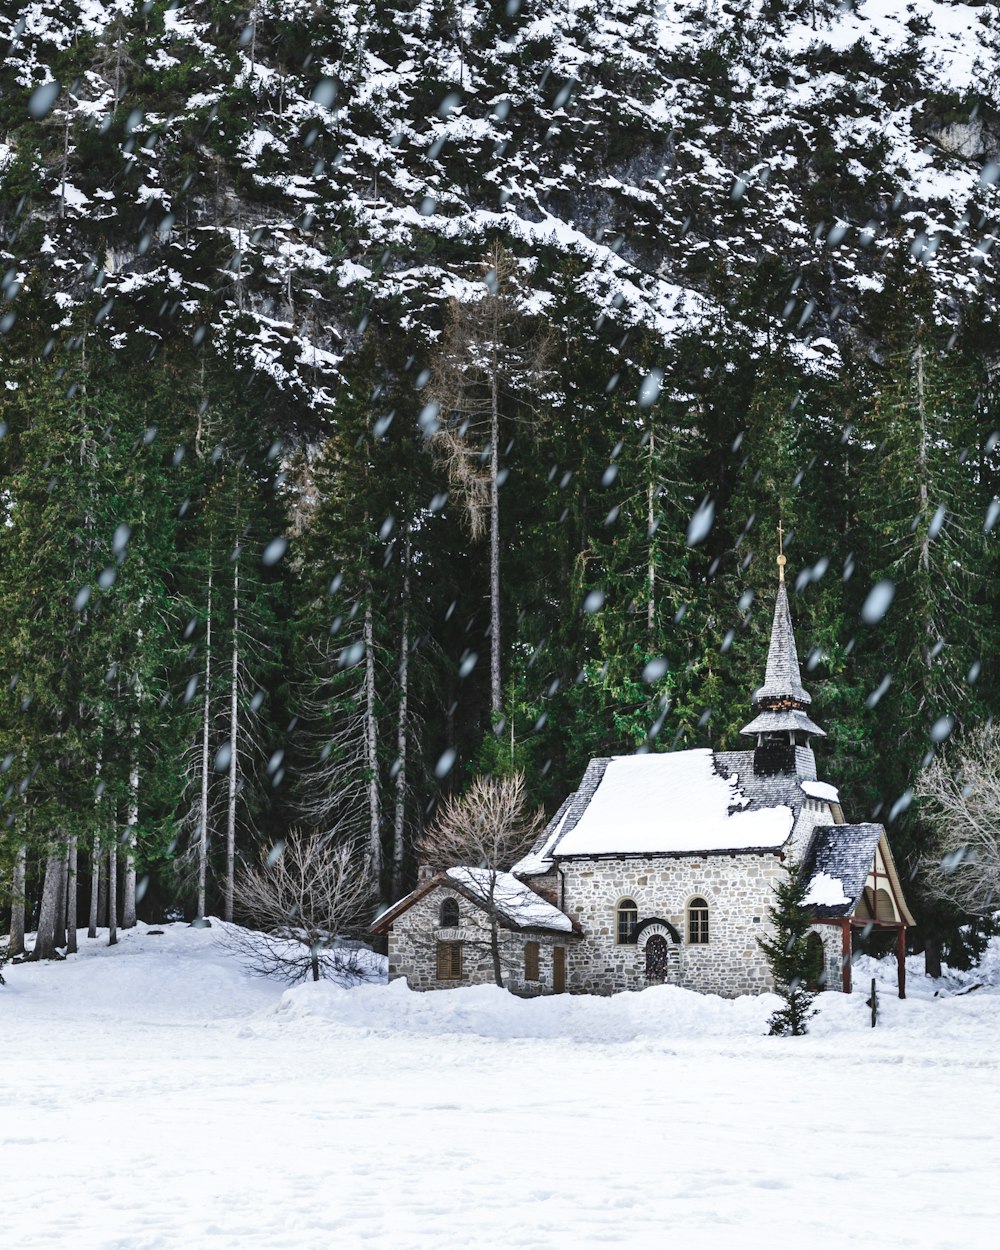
(307, 903)
(487, 828)
(959, 795)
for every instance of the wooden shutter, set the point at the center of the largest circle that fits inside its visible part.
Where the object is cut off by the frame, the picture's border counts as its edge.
(531, 961)
(449, 961)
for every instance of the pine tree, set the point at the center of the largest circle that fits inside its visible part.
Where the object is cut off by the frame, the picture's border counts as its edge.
(789, 957)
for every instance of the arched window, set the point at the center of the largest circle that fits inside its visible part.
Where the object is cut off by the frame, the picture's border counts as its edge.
(627, 917)
(449, 918)
(697, 922)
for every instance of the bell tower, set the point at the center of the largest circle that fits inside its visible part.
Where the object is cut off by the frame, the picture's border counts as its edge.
(782, 726)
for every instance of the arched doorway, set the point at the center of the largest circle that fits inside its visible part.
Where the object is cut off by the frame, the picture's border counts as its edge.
(658, 944)
(657, 959)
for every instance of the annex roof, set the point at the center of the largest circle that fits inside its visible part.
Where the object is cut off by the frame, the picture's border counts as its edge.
(672, 803)
(516, 902)
(837, 864)
(518, 906)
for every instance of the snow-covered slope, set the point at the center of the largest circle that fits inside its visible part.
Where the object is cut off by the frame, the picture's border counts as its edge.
(270, 182)
(189, 1105)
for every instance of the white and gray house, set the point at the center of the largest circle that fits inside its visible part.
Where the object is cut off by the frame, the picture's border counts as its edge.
(661, 867)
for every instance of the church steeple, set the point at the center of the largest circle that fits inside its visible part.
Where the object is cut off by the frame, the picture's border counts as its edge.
(782, 724)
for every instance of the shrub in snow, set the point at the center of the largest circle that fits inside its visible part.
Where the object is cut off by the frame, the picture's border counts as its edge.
(306, 904)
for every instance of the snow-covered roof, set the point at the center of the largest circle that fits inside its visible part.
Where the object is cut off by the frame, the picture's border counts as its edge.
(672, 803)
(516, 902)
(821, 790)
(826, 891)
(539, 859)
(836, 867)
(518, 906)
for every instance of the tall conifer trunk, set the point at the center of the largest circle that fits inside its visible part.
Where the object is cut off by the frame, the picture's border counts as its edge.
(651, 531)
(371, 751)
(102, 889)
(96, 865)
(59, 925)
(234, 725)
(45, 938)
(71, 894)
(113, 893)
(496, 698)
(206, 710)
(128, 891)
(15, 945)
(399, 816)
(95, 886)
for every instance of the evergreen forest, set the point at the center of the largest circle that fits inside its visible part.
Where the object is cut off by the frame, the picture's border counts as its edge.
(398, 391)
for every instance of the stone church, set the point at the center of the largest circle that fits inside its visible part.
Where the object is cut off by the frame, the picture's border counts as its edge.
(660, 868)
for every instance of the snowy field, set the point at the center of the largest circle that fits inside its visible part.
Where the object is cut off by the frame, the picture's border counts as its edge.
(154, 1097)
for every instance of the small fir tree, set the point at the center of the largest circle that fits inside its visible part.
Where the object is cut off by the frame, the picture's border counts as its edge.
(788, 955)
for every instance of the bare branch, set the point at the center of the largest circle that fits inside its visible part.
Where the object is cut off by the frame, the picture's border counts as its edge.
(959, 795)
(307, 904)
(486, 827)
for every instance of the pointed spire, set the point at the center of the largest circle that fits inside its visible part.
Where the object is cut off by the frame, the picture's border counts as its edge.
(781, 702)
(782, 679)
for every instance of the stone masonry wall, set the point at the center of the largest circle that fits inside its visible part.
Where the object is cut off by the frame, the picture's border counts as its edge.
(737, 888)
(832, 954)
(414, 936)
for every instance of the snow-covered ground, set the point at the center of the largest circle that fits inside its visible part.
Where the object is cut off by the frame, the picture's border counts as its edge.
(153, 1097)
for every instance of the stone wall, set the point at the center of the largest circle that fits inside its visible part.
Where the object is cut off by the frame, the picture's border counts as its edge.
(832, 955)
(814, 814)
(737, 888)
(415, 934)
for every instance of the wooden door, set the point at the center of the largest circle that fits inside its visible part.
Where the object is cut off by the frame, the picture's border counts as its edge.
(559, 969)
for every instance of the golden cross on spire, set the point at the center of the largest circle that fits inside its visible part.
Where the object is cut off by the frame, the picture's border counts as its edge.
(782, 559)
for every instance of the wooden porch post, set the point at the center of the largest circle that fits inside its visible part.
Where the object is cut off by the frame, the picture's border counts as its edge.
(845, 956)
(901, 959)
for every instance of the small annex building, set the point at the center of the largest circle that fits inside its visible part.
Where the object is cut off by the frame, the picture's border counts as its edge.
(440, 934)
(661, 867)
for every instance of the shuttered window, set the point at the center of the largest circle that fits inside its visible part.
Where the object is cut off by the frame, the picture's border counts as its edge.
(531, 961)
(449, 961)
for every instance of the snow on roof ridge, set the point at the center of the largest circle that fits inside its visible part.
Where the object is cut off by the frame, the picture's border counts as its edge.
(516, 901)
